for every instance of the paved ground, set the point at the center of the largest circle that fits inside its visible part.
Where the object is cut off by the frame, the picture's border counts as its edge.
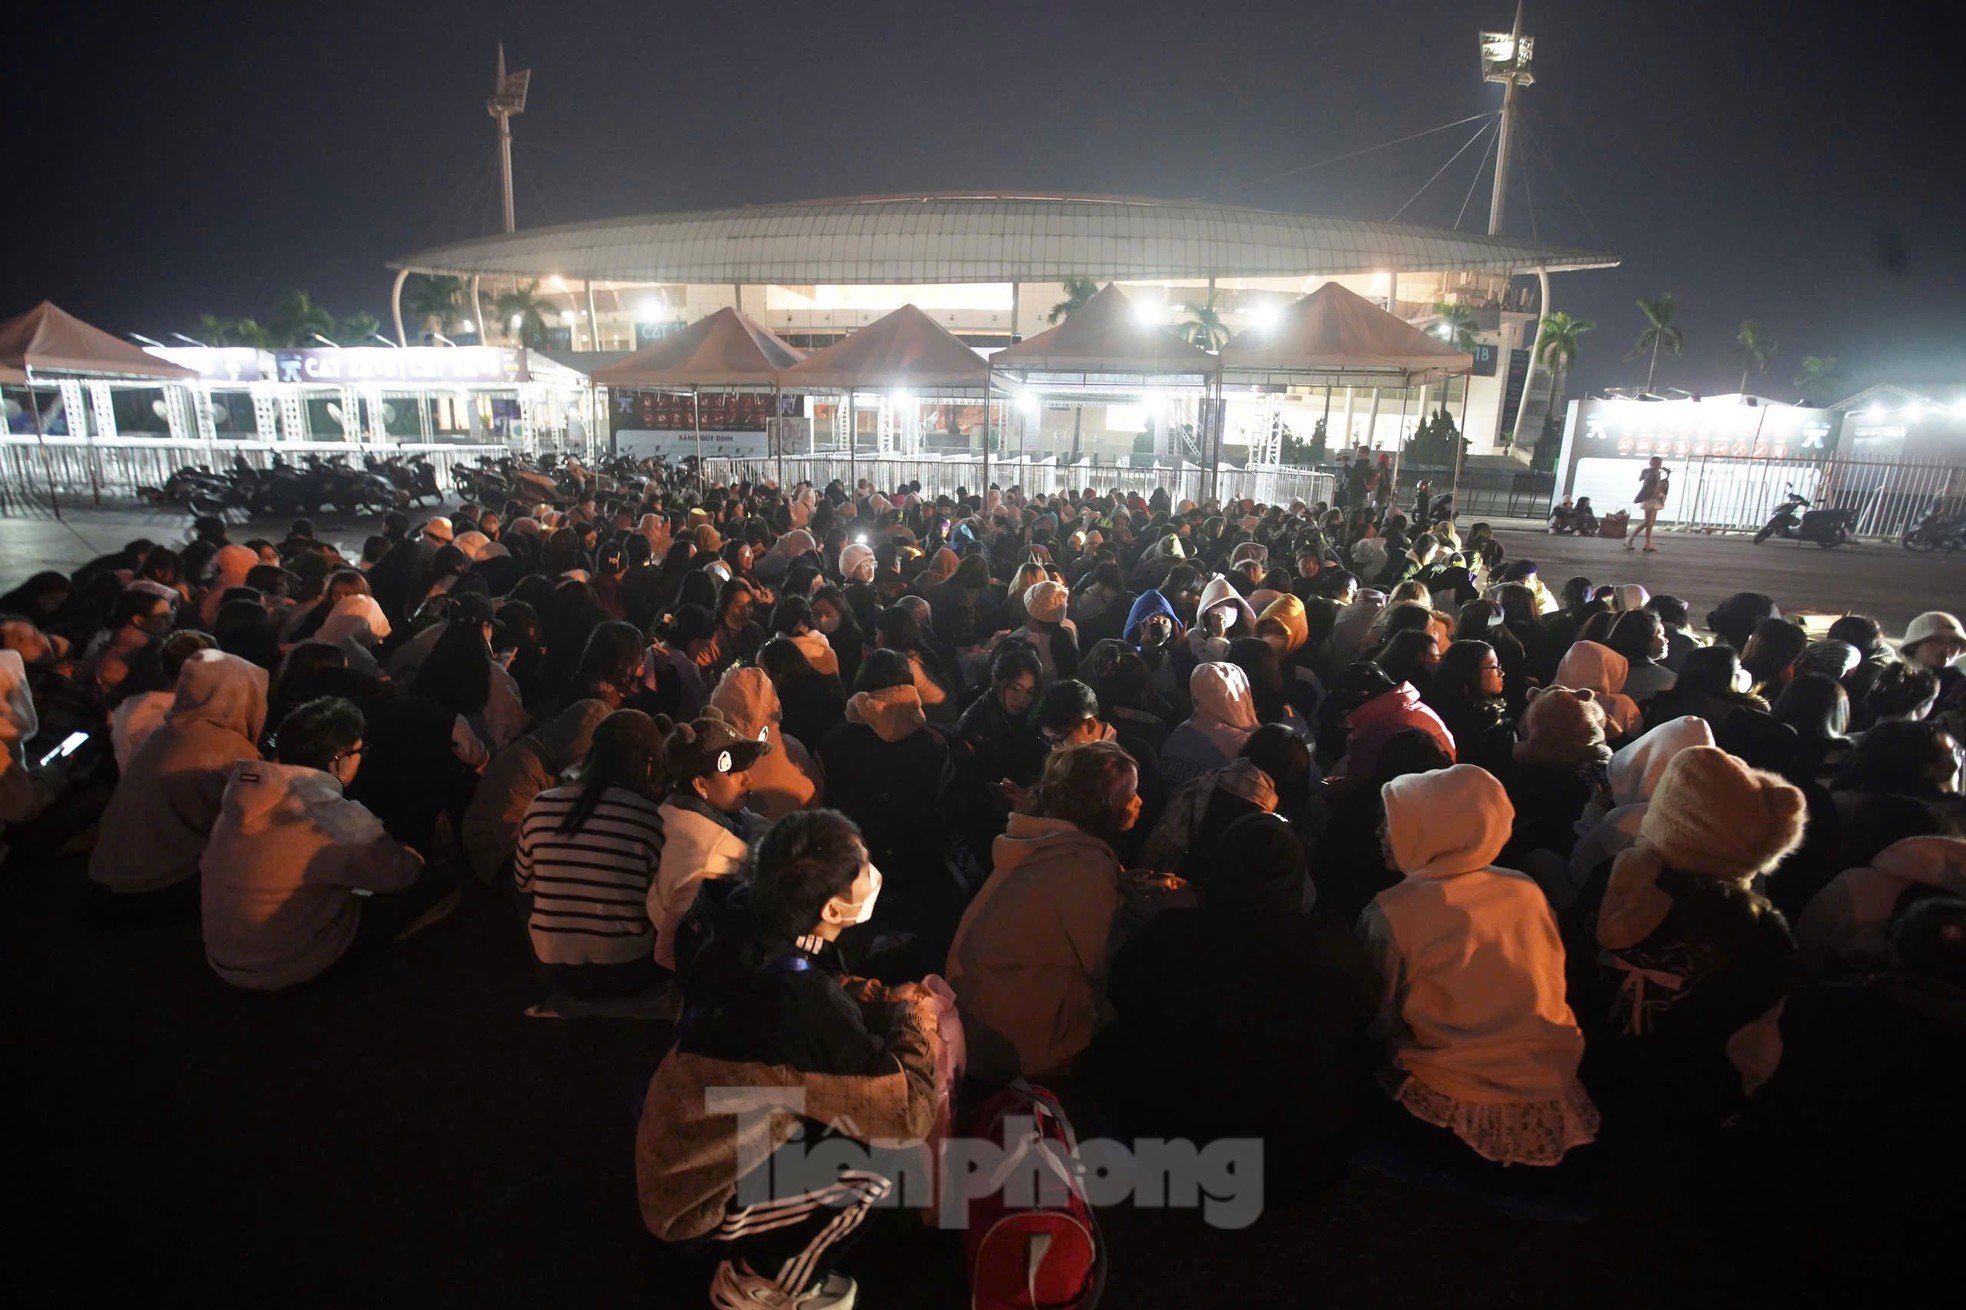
(1882, 580)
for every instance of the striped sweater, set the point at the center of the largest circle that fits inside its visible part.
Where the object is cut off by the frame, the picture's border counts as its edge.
(590, 888)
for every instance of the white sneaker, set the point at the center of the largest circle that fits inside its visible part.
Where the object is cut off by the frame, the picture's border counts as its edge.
(735, 1287)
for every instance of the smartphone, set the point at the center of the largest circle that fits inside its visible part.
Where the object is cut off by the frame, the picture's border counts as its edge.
(69, 745)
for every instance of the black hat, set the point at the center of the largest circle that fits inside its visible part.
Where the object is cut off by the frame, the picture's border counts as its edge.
(709, 745)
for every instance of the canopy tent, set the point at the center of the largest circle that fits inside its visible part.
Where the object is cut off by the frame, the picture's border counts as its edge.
(1336, 337)
(1105, 337)
(725, 349)
(51, 341)
(902, 351)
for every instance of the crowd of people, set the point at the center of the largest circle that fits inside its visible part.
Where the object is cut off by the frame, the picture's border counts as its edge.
(1328, 826)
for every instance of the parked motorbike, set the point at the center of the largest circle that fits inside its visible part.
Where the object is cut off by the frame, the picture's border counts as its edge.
(1934, 529)
(1795, 518)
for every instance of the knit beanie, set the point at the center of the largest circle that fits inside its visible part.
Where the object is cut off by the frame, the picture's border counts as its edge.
(1564, 727)
(1710, 814)
(1046, 601)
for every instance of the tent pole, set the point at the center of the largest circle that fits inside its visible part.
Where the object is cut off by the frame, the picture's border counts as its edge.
(779, 432)
(41, 436)
(852, 456)
(984, 490)
(696, 417)
(1460, 437)
(1399, 440)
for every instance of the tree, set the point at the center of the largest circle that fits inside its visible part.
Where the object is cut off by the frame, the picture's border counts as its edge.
(357, 329)
(1816, 377)
(1204, 326)
(1753, 349)
(1660, 333)
(1557, 350)
(1302, 453)
(522, 314)
(1456, 325)
(436, 301)
(1432, 443)
(1078, 290)
(297, 320)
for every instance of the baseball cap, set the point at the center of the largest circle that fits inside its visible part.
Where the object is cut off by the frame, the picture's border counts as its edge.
(709, 745)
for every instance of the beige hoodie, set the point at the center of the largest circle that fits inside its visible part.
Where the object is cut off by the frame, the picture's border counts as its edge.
(894, 713)
(168, 799)
(1601, 670)
(1473, 965)
(786, 777)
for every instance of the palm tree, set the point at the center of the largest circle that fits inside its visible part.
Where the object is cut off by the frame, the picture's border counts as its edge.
(1753, 348)
(1078, 290)
(1660, 333)
(1456, 325)
(521, 314)
(297, 320)
(1816, 376)
(1204, 327)
(436, 301)
(358, 328)
(1557, 350)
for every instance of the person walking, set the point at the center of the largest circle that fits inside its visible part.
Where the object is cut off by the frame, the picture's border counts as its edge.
(1654, 481)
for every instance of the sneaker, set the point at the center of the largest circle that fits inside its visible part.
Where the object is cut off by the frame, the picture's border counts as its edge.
(735, 1287)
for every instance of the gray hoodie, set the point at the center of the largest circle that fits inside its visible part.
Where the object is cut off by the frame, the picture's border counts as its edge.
(286, 858)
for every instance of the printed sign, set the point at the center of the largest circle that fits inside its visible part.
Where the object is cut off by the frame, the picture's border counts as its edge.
(408, 366)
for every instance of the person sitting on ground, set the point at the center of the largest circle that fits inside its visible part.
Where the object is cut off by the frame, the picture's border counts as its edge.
(1590, 666)
(706, 829)
(297, 875)
(1611, 821)
(786, 777)
(586, 859)
(1176, 1063)
(1029, 959)
(162, 811)
(767, 1007)
(1225, 715)
(1845, 930)
(139, 713)
(1183, 841)
(1682, 954)
(1673, 614)
(516, 775)
(995, 754)
(1554, 771)
(1482, 1046)
(1639, 636)
(1899, 692)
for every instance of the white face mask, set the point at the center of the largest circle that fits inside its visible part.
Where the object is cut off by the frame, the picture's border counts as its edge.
(849, 913)
(829, 623)
(1743, 680)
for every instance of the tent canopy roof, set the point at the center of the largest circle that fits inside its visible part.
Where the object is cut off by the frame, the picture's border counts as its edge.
(904, 350)
(1334, 332)
(725, 349)
(50, 340)
(1104, 335)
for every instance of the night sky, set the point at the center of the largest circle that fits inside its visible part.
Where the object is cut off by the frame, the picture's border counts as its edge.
(1793, 163)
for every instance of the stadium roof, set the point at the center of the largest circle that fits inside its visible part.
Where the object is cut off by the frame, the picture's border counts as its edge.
(954, 237)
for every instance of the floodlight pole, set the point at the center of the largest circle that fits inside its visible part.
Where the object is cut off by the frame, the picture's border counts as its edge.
(508, 98)
(1511, 75)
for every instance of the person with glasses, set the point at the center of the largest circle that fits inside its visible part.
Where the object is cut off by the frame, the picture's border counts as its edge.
(297, 875)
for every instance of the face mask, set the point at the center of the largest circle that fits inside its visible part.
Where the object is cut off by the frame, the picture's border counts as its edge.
(858, 912)
(1743, 680)
(829, 623)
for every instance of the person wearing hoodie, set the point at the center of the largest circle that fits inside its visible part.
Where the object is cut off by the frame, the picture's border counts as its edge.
(995, 754)
(1285, 1061)
(1225, 715)
(1681, 961)
(1354, 628)
(517, 774)
(1048, 631)
(1029, 959)
(768, 1008)
(1611, 821)
(1845, 930)
(162, 811)
(1379, 716)
(706, 827)
(357, 625)
(1221, 616)
(1552, 773)
(786, 777)
(792, 619)
(231, 565)
(883, 768)
(296, 875)
(1590, 666)
(1480, 1040)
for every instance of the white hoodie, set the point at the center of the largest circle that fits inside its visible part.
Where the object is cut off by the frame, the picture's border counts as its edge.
(1633, 773)
(1224, 717)
(286, 857)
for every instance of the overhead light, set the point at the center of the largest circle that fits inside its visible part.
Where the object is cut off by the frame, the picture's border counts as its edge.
(1267, 317)
(903, 399)
(653, 309)
(1959, 408)
(467, 326)
(1147, 313)
(516, 320)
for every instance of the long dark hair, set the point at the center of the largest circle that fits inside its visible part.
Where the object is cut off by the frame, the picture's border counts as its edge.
(613, 763)
(457, 672)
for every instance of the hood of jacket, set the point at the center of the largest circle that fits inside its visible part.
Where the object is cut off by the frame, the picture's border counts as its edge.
(1925, 862)
(356, 616)
(857, 562)
(1448, 822)
(894, 713)
(1635, 770)
(564, 739)
(1289, 611)
(263, 795)
(1220, 593)
(1221, 693)
(1354, 622)
(1145, 606)
(233, 563)
(1028, 840)
(1593, 667)
(748, 700)
(222, 690)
